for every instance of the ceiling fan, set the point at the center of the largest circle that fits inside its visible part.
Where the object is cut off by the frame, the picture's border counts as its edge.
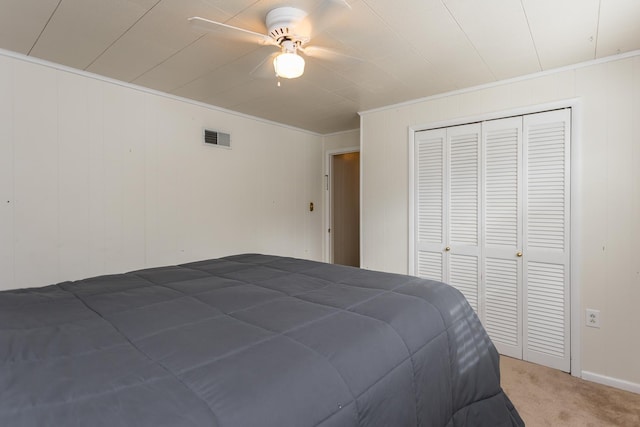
(290, 29)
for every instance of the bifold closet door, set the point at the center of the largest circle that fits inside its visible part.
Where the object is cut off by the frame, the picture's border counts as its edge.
(546, 239)
(429, 202)
(502, 233)
(447, 165)
(463, 211)
(526, 200)
(492, 219)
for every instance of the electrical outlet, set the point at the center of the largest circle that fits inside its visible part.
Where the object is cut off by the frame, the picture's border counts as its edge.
(593, 318)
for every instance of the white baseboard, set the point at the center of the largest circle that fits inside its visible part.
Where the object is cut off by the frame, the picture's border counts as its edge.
(612, 382)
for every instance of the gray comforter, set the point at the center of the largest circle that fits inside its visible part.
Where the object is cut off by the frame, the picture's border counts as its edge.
(247, 340)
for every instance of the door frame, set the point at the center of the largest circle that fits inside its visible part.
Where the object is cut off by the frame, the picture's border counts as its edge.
(328, 208)
(575, 172)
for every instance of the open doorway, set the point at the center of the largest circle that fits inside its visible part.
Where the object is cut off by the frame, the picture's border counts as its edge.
(343, 186)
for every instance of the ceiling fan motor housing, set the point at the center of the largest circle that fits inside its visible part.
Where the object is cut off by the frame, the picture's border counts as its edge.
(282, 21)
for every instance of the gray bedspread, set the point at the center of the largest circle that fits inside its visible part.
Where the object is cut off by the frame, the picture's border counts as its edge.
(247, 340)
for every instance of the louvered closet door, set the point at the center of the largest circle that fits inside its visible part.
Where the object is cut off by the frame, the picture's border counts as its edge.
(492, 213)
(463, 191)
(430, 203)
(502, 233)
(546, 239)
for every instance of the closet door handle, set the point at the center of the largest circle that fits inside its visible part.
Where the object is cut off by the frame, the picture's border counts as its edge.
(447, 249)
(519, 254)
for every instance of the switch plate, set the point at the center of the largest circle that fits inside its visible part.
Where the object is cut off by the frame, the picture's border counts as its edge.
(593, 318)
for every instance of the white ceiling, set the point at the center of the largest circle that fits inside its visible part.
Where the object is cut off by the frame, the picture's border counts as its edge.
(410, 48)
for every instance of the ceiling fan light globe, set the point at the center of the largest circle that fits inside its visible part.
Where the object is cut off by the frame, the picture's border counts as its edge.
(288, 65)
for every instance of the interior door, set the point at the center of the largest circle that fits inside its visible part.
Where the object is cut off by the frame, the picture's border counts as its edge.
(345, 209)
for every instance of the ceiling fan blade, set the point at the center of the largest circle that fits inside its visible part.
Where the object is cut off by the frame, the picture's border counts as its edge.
(265, 70)
(230, 31)
(318, 52)
(322, 17)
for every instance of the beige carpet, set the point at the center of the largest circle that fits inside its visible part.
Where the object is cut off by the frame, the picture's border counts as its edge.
(546, 397)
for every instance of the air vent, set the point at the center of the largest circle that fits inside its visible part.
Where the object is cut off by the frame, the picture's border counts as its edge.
(280, 32)
(213, 137)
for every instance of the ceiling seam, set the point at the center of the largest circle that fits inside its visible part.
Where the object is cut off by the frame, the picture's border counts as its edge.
(409, 42)
(401, 36)
(44, 27)
(196, 40)
(469, 40)
(526, 17)
(216, 69)
(358, 83)
(242, 11)
(121, 35)
(167, 58)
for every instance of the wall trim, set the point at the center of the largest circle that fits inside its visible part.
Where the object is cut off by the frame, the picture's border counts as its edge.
(510, 112)
(489, 85)
(362, 149)
(341, 132)
(64, 68)
(575, 214)
(611, 382)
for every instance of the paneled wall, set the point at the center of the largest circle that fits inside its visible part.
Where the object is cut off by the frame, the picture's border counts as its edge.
(97, 178)
(608, 211)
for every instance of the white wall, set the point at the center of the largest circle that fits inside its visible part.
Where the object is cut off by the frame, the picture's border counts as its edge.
(609, 208)
(97, 177)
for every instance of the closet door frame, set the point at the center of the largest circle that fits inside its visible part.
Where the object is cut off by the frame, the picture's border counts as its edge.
(576, 318)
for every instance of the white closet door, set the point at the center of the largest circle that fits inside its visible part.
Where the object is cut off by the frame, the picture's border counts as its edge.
(463, 197)
(492, 220)
(430, 204)
(502, 233)
(546, 239)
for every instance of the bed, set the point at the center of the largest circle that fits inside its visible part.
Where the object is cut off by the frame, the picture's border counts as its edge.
(247, 340)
